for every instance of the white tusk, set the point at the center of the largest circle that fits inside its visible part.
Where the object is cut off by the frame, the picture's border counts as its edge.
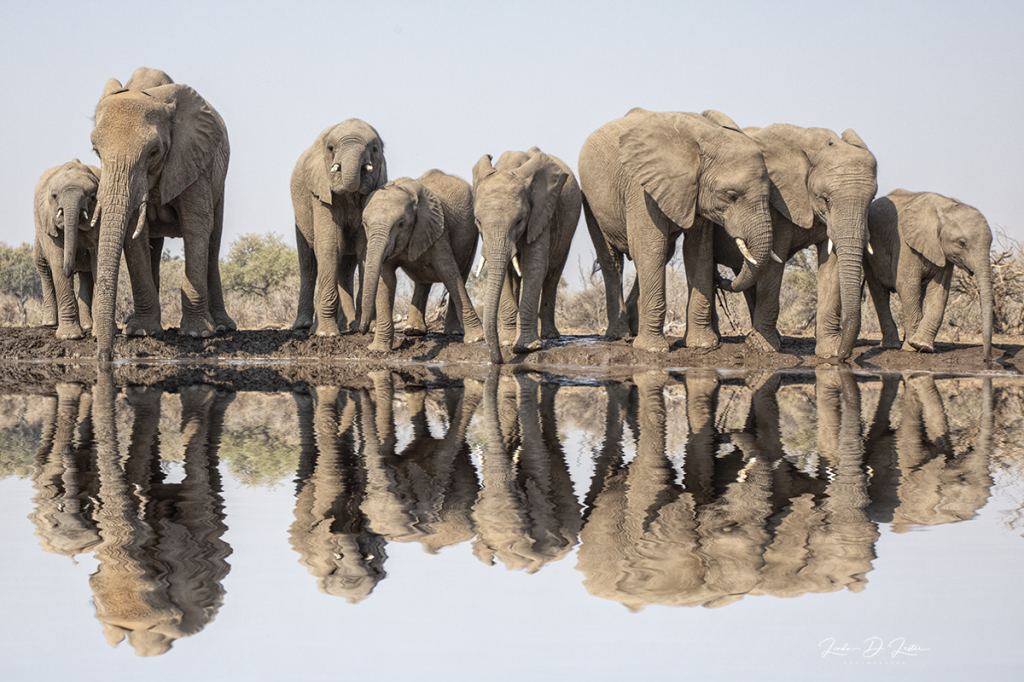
(870, 250)
(515, 265)
(335, 168)
(142, 216)
(368, 167)
(95, 216)
(775, 257)
(480, 268)
(85, 214)
(745, 251)
(60, 212)
(829, 250)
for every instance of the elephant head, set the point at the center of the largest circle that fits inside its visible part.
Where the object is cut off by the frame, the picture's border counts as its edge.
(402, 217)
(353, 160)
(946, 231)
(70, 197)
(514, 202)
(820, 177)
(154, 144)
(703, 165)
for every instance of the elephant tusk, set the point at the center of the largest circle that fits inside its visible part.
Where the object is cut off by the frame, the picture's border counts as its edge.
(775, 257)
(85, 214)
(870, 250)
(745, 251)
(95, 217)
(515, 265)
(60, 212)
(335, 168)
(480, 268)
(829, 249)
(142, 216)
(368, 167)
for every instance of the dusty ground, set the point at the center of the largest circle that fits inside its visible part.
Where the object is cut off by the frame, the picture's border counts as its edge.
(280, 359)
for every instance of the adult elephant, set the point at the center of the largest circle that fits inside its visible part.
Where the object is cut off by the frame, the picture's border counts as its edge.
(916, 239)
(330, 184)
(527, 207)
(65, 200)
(651, 176)
(426, 227)
(164, 153)
(821, 187)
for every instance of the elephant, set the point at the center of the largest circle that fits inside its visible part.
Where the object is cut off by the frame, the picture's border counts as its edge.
(426, 227)
(329, 188)
(916, 238)
(65, 201)
(526, 207)
(821, 187)
(164, 153)
(649, 177)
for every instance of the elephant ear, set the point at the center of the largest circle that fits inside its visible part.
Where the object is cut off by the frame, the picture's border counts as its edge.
(196, 134)
(853, 138)
(661, 152)
(789, 167)
(482, 169)
(720, 119)
(111, 87)
(919, 227)
(544, 179)
(429, 223)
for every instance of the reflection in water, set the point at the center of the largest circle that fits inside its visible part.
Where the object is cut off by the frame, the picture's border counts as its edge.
(756, 484)
(159, 547)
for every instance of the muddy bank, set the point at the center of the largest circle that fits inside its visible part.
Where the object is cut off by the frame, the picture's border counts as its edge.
(283, 359)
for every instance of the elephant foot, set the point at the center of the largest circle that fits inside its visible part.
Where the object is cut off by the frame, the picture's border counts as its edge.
(222, 322)
(413, 330)
(49, 321)
(827, 347)
(527, 344)
(890, 342)
(302, 322)
(507, 335)
(919, 346)
(140, 326)
(654, 343)
(701, 338)
(196, 327)
(379, 346)
(473, 335)
(325, 328)
(617, 331)
(770, 342)
(70, 332)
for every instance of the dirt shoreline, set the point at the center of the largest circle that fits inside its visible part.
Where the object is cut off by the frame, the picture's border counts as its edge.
(34, 360)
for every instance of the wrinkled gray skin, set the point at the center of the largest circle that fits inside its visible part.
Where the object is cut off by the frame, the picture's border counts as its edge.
(821, 187)
(425, 227)
(917, 238)
(527, 206)
(65, 243)
(649, 177)
(329, 187)
(164, 153)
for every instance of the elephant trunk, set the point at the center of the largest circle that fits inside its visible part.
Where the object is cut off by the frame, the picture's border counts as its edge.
(756, 231)
(71, 203)
(377, 243)
(351, 167)
(497, 267)
(983, 273)
(850, 229)
(119, 198)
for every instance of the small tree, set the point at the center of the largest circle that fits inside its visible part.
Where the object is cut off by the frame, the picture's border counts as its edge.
(257, 264)
(18, 276)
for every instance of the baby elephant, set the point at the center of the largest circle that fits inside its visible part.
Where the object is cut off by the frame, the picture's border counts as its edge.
(915, 239)
(65, 201)
(426, 227)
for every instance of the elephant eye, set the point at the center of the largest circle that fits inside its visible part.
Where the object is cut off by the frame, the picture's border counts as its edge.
(732, 195)
(330, 148)
(825, 199)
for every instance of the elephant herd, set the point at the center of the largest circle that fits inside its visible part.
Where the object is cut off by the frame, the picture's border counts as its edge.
(748, 199)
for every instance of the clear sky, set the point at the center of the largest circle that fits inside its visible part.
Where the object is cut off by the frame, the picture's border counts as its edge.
(935, 89)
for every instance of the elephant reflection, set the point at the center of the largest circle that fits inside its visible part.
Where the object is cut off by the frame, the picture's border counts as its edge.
(739, 518)
(159, 547)
(917, 477)
(527, 513)
(356, 492)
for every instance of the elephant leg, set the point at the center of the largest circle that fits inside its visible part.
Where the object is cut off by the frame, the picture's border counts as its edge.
(384, 335)
(156, 251)
(459, 302)
(348, 316)
(610, 261)
(417, 323)
(68, 326)
(196, 217)
(827, 326)
(307, 282)
(911, 292)
(145, 320)
(508, 310)
(49, 295)
(534, 266)
(632, 307)
(701, 312)
(934, 308)
(882, 298)
(452, 314)
(327, 248)
(86, 285)
(215, 290)
(763, 304)
(548, 294)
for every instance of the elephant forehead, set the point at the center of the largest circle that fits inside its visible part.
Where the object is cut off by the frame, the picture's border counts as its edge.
(354, 129)
(500, 189)
(389, 200)
(127, 118)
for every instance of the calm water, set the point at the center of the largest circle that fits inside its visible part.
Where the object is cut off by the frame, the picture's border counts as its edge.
(690, 525)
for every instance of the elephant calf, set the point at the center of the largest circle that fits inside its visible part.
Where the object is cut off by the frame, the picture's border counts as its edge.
(915, 239)
(426, 227)
(65, 201)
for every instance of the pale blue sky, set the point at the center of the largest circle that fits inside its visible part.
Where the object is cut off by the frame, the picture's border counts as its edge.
(934, 88)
